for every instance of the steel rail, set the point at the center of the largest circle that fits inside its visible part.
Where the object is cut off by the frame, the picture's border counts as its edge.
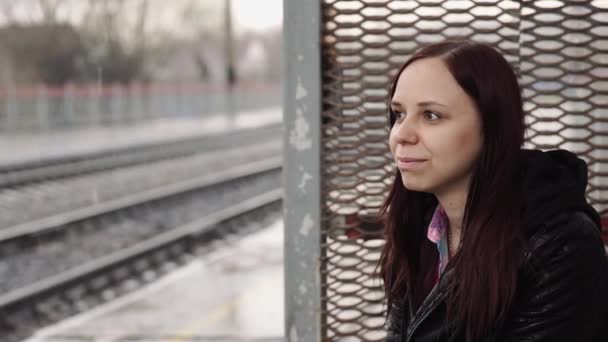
(22, 173)
(118, 259)
(61, 221)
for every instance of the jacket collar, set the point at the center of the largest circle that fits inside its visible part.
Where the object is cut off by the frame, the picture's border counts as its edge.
(431, 302)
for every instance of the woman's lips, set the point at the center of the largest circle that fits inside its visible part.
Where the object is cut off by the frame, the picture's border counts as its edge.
(409, 163)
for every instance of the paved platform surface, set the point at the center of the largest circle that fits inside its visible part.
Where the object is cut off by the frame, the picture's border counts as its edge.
(234, 294)
(17, 148)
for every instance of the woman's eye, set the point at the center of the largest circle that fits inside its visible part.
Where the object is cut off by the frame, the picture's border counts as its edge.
(398, 115)
(432, 116)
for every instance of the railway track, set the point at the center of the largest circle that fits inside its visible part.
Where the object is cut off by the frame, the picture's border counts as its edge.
(49, 200)
(111, 247)
(24, 173)
(45, 200)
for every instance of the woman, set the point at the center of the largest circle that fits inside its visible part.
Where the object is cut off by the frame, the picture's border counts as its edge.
(485, 241)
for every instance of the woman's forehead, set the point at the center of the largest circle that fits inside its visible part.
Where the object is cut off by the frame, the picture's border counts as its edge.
(427, 80)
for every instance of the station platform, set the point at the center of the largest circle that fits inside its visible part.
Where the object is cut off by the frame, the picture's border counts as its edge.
(24, 147)
(233, 294)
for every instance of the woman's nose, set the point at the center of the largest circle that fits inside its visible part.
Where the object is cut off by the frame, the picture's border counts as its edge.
(406, 132)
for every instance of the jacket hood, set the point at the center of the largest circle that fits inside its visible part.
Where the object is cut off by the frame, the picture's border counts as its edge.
(555, 182)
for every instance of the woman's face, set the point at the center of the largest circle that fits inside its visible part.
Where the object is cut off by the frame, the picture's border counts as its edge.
(437, 136)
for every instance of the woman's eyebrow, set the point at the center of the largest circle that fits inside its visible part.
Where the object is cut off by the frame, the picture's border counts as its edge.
(430, 102)
(396, 103)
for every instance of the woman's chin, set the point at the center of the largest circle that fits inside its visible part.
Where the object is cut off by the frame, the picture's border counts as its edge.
(414, 184)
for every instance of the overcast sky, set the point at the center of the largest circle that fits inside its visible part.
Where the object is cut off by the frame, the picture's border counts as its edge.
(247, 14)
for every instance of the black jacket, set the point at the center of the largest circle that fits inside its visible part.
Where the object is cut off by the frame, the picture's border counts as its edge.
(562, 292)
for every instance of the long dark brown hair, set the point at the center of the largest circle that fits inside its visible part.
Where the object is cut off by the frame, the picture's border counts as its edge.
(485, 267)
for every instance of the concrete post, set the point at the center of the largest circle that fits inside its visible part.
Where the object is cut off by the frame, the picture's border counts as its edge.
(302, 177)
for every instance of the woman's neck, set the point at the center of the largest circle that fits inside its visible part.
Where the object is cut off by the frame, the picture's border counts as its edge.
(453, 203)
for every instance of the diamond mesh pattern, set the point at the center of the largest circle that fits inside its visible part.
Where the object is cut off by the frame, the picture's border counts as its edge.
(559, 49)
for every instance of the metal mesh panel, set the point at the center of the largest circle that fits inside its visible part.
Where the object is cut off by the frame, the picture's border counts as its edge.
(564, 46)
(557, 47)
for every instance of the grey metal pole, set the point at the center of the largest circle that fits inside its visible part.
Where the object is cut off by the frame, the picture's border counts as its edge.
(42, 108)
(230, 73)
(12, 111)
(302, 162)
(68, 106)
(229, 55)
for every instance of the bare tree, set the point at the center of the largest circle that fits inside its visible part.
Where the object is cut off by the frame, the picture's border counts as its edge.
(140, 26)
(49, 9)
(45, 11)
(118, 46)
(205, 19)
(7, 8)
(90, 12)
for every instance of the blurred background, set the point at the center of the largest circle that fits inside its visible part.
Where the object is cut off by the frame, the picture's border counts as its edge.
(151, 188)
(138, 136)
(71, 64)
